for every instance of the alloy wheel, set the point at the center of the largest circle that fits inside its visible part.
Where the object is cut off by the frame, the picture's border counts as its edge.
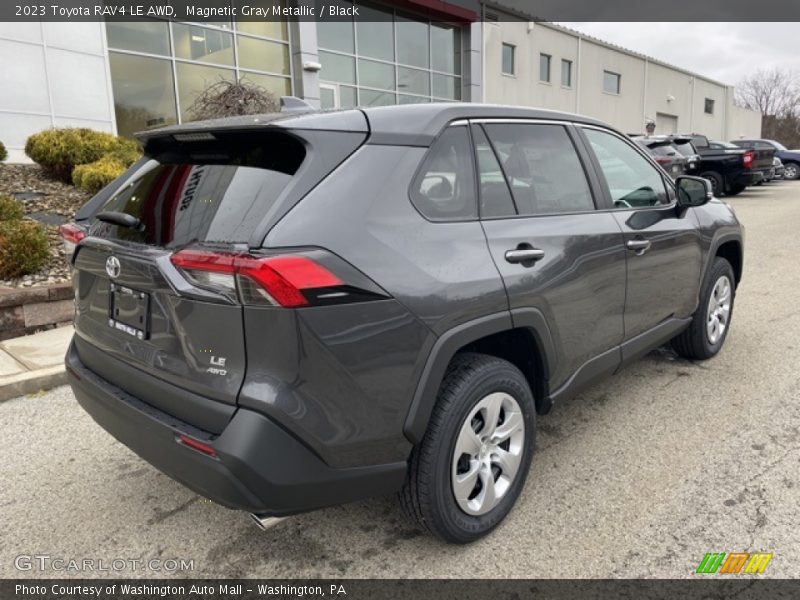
(790, 171)
(719, 309)
(488, 452)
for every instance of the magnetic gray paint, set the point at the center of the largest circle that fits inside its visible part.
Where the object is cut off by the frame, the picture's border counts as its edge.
(354, 384)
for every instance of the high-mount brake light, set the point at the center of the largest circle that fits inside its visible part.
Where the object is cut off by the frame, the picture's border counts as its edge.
(277, 280)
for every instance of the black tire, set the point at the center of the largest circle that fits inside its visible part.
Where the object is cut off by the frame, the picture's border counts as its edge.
(737, 189)
(694, 343)
(427, 497)
(717, 183)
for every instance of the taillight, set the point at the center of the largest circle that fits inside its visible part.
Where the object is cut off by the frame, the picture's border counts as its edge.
(276, 280)
(663, 160)
(71, 234)
(747, 159)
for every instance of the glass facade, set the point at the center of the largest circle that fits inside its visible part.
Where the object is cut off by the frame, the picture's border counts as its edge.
(158, 68)
(388, 57)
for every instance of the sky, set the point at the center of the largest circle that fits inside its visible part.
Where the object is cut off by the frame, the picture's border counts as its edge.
(726, 52)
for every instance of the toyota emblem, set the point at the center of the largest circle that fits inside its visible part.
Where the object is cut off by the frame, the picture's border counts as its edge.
(113, 267)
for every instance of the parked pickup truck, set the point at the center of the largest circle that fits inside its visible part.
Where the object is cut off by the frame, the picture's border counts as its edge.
(790, 158)
(731, 170)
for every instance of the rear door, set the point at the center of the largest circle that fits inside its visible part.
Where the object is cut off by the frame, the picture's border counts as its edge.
(557, 254)
(663, 245)
(135, 311)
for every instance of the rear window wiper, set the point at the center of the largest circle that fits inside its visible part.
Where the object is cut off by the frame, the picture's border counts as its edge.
(120, 218)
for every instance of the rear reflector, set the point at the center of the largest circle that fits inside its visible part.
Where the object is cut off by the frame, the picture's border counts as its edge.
(282, 278)
(197, 445)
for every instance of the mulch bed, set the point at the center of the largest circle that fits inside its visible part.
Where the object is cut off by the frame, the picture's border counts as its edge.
(51, 203)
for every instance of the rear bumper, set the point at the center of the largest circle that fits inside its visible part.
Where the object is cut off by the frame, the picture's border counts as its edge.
(749, 178)
(259, 467)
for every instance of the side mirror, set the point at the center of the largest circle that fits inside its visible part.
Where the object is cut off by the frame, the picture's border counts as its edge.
(693, 191)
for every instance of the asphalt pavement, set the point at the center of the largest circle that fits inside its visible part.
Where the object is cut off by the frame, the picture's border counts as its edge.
(638, 477)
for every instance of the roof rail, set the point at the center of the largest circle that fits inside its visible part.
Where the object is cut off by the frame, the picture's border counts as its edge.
(293, 103)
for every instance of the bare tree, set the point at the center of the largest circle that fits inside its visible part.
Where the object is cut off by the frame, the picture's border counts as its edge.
(775, 93)
(232, 98)
(772, 92)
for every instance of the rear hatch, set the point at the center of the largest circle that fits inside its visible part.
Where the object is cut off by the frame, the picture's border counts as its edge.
(138, 311)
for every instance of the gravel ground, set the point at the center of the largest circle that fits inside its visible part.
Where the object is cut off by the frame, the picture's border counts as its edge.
(48, 201)
(638, 477)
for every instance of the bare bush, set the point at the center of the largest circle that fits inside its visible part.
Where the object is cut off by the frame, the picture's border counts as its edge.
(233, 98)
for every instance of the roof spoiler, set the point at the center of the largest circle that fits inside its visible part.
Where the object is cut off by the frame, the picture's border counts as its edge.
(294, 104)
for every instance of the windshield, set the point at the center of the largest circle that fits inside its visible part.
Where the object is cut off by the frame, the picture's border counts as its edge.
(778, 145)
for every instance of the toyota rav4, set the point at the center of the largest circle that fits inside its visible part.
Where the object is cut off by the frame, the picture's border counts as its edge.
(302, 309)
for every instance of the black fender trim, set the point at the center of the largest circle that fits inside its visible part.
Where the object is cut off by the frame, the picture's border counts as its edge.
(451, 341)
(712, 252)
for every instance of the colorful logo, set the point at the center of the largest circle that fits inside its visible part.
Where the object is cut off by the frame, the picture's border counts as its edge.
(735, 562)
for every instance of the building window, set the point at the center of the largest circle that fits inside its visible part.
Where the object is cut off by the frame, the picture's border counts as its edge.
(611, 82)
(386, 57)
(544, 68)
(151, 92)
(566, 73)
(508, 59)
(709, 106)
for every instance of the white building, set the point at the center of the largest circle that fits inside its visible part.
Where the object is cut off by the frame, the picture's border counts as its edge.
(549, 66)
(126, 77)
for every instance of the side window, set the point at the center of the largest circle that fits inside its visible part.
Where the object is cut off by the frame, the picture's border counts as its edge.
(495, 197)
(444, 188)
(632, 180)
(542, 168)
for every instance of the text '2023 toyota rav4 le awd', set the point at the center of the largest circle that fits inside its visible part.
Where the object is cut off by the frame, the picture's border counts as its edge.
(297, 310)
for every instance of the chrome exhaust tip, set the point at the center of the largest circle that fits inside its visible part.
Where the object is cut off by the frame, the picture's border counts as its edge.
(265, 522)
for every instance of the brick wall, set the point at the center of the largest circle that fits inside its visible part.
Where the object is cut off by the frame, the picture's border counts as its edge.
(27, 310)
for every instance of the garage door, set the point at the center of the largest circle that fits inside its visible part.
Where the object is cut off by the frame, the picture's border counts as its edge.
(666, 123)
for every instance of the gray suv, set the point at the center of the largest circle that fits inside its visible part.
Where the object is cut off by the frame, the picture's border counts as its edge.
(303, 309)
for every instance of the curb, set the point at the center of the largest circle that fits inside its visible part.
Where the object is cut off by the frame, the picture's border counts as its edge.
(32, 381)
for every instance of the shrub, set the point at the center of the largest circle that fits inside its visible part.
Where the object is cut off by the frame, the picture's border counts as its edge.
(10, 209)
(24, 248)
(94, 176)
(3, 152)
(59, 151)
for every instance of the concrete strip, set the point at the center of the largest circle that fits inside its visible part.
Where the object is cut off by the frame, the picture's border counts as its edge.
(40, 350)
(9, 366)
(30, 382)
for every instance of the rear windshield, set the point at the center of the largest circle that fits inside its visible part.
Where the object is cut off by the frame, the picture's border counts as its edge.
(664, 151)
(215, 191)
(686, 149)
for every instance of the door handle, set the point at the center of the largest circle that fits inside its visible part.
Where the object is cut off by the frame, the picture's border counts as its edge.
(523, 255)
(639, 246)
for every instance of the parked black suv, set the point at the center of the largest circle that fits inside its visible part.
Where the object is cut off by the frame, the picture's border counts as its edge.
(297, 310)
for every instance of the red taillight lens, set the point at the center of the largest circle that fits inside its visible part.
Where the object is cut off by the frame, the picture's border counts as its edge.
(663, 160)
(747, 159)
(280, 278)
(72, 233)
(197, 445)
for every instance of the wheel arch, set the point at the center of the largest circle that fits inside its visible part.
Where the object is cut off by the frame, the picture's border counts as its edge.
(522, 339)
(730, 248)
